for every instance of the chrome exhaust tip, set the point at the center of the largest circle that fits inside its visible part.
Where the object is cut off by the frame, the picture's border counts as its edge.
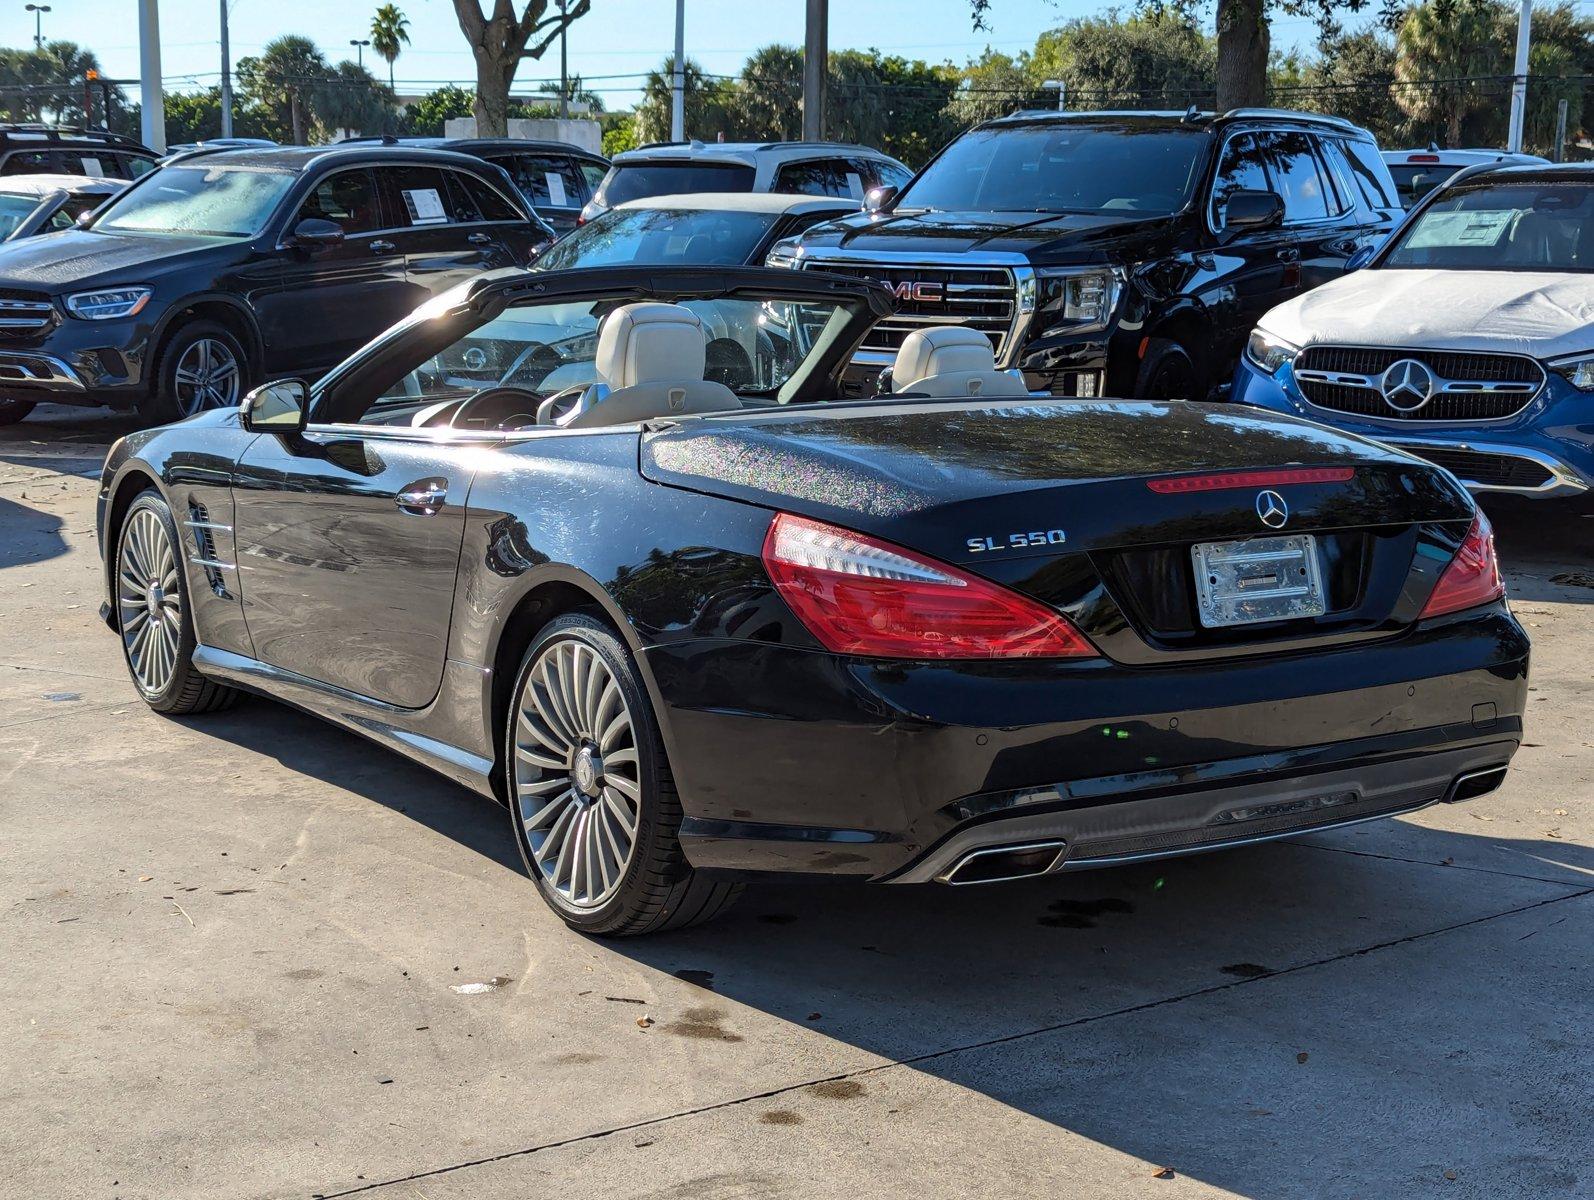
(1000, 864)
(1476, 783)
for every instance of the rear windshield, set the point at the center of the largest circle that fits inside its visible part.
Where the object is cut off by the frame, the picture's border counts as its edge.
(224, 201)
(639, 181)
(1538, 226)
(1409, 175)
(680, 237)
(1063, 168)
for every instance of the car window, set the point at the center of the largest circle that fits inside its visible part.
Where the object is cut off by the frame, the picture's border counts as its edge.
(1369, 172)
(137, 166)
(680, 237)
(547, 180)
(225, 201)
(1065, 167)
(642, 180)
(28, 162)
(484, 198)
(14, 209)
(592, 174)
(1414, 178)
(1241, 169)
(889, 174)
(347, 199)
(71, 209)
(420, 196)
(1297, 176)
(1540, 225)
(815, 177)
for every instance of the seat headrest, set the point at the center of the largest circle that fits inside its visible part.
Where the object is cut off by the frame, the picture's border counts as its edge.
(650, 343)
(943, 351)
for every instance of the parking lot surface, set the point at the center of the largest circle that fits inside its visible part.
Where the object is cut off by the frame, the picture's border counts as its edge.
(249, 955)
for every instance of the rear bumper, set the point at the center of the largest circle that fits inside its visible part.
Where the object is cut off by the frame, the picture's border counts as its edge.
(1545, 452)
(893, 772)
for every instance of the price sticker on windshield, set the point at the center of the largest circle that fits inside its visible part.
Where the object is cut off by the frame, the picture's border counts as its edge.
(425, 205)
(556, 190)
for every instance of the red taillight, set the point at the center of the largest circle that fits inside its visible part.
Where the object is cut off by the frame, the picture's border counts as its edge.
(1473, 576)
(1249, 479)
(861, 596)
(1422, 158)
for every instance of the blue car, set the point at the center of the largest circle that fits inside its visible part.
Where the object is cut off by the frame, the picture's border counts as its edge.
(1468, 339)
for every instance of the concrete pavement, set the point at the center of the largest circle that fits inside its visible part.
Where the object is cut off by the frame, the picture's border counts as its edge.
(238, 952)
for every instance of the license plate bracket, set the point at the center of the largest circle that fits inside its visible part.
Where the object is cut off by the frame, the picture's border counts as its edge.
(1258, 580)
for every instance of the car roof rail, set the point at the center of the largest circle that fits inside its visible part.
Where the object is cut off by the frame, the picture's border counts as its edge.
(1290, 114)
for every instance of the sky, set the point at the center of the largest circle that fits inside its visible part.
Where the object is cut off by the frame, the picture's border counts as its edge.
(619, 39)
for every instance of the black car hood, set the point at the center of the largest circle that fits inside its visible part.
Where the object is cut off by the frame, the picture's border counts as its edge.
(1023, 233)
(75, 258)
(934, 476)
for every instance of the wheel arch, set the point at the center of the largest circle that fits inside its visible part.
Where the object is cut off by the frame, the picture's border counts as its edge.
(228, 312)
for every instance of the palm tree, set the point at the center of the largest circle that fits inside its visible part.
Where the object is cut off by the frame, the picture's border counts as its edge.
(390, 33)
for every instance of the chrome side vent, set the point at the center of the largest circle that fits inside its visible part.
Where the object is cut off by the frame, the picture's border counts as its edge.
(202, 529)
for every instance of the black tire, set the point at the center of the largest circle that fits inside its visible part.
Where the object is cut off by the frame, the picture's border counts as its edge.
(181, 690)
(12, 411)
(658, 889)
(1169, 372)
(168, 402)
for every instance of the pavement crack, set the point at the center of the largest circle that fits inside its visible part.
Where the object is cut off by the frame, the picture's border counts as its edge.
(949, 1051)
(1428, 862)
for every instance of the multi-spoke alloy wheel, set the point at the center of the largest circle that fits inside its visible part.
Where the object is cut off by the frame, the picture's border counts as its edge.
(594, 806)
(208, 375)
(149, 602)
(577, 777)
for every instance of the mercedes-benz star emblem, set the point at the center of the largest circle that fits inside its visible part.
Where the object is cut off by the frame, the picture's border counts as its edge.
(1271, 508)
(1407, 385)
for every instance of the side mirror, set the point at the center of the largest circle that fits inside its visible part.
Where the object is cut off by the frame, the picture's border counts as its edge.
(84, 217)
(277, 407)
(876, 198)
(1249, 208)
(1361, 258)
(314, 233)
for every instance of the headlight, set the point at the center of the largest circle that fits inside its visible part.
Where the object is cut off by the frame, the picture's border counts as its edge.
(1268, 352)
(1083, 300)
(109, 304)
(1579, 372)
(784, 255)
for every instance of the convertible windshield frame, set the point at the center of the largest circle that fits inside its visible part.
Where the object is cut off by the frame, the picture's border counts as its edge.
(1433, 210)
(453, 315)
(920, 195)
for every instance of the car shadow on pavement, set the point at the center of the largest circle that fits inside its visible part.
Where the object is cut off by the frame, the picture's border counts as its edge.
(34, 534)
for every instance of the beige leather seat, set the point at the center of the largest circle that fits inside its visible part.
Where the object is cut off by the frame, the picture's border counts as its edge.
(949, 362)
(650, 364)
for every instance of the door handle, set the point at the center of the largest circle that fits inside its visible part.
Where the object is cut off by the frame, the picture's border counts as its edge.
(1289, 255)
(479, 239)
(382, 247)
(423, 498)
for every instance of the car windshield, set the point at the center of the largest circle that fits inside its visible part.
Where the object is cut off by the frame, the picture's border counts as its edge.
(1545, 225)
(14, 209)
(226, 201)
(674, 236)
(643, 180)
(754, 347)
(1061, 168)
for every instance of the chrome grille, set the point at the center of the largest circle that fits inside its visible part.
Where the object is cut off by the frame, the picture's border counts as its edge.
(981, 298)
(1468, 386)
(22, 315)
(1483, 468)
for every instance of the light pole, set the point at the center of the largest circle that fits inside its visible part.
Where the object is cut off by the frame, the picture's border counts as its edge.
(152, 118)
(359, 45)
(1519, 78)
(38, 11)
(226, 77)
(564, 67)
(678, 77)
(816, 52)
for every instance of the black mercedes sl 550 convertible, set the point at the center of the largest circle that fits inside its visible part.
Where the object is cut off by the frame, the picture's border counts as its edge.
(608, 546)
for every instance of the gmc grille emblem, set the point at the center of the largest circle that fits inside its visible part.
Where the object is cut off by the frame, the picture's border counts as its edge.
(924, 293)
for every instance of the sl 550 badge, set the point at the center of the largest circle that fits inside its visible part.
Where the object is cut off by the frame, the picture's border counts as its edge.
(1017, 541)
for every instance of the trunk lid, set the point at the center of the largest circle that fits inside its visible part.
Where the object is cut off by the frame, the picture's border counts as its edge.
(1052, 498)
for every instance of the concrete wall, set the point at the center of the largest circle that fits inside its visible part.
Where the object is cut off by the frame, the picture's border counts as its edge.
(586, 134)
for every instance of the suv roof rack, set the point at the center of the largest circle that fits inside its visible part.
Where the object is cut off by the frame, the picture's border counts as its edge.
(1290, 114)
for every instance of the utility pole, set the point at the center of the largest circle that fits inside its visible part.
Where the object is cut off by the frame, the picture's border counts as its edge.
(149, 71)
(564, 68)
(678, 82)
(816, 50)
(1560, 131)
(226, 77)
(1519, 81)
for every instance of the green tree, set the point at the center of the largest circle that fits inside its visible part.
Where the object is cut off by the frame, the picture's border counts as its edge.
(1157, 59)
(1351, 77)
(993, 85)
(390, 33)
(1439, 48)
(769, 102)
(35, 84)
(351, 98)
(284, 81)
(426, 116)
(499, 42)
(710, 104)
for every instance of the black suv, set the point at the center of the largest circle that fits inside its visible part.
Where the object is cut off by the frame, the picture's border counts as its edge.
(555, 178)
(222, 269)
(62, 150)
(1114, 253)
